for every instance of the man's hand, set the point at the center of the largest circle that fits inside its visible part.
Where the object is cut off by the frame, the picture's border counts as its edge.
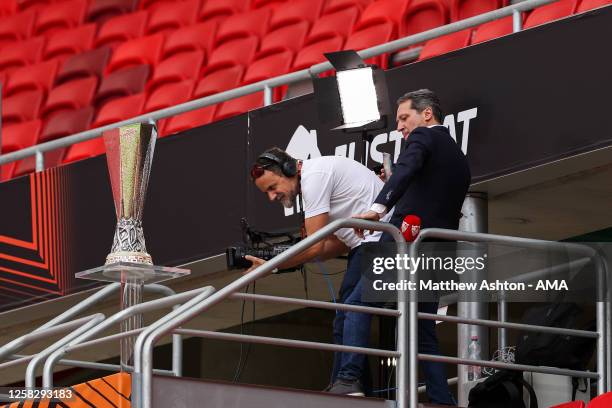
(256, 263)
(369, 215)
(382, 176)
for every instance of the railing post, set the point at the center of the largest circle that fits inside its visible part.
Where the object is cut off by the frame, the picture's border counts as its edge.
(517, 21)
(40, 161)
(267, 95)
(474, 219)
(404, 362)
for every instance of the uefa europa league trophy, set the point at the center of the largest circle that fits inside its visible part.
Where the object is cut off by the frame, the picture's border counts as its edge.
(129, 154)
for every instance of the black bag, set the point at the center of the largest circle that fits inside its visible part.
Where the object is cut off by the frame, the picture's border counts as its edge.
(504, 389)
(555, 350)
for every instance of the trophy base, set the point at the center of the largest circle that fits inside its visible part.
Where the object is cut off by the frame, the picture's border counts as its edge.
(132, 272)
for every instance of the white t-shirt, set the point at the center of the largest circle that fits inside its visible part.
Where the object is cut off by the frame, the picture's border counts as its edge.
(341, 187)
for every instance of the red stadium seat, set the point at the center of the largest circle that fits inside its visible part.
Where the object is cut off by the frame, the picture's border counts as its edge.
(32, 5)
(492, 29)
(550, 12)
(572, 404)
(63, 124)
(313, 54)
(269, 66)
(214, 10)
(193, 38)
(251, 23)
(22, 107)
(219, 81)
(122, 28)
(369, 37)
(124, 82)
(383, 11)
(70, 96)
(188, 120)
(423, 15)
(17, 27)
(170, 16)
(120, 109)
(446, 43)
(8, 8)
(240, 105)
(144, 50)
(338, 24)
(101, 10)
(602, 401)
(68, 42)
(17, 137)
(256, 4)
(33, 77)
(296, 11)
(86, 64)
(238, 52)
(176, 69)
(169, 95)
(591, 4)
(462, 9)
(85, 150)
(59, 16)
(333, 6)
(289, 38)
(21, 53)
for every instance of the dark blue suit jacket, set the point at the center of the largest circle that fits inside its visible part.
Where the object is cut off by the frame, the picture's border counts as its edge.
(430, 179)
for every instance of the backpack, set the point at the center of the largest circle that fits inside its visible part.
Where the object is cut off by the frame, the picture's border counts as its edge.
(555, 350)
(504, 389)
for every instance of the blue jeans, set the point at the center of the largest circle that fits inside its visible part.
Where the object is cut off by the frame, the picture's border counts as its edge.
(353, 329)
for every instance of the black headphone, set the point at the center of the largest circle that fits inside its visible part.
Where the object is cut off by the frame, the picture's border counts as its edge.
(288, 167)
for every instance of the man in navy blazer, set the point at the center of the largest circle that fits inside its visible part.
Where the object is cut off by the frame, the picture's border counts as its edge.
(430, 180)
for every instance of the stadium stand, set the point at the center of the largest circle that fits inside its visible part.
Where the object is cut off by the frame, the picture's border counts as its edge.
(83, 65)
(333, 6)
(122, 28)
(144, 50)
(256, 4)
(313, 53)
(219, 81)
(65, 43)
(192, 38)
(169, 95)
(70, 96)
(586, 5)
(294, 12)
(170, 16)
(84, 150)
(602, 401)
(423, 15)
(462, 9)
(251, 23)
(100, 11)
(444, 44)
(493, 29)
(124, 82)
(370, 36)
(16, 28)
(289, 38)
(22, 53)
(188, 120)
(33, 77)
(336, 24)
(218, 10)
(55, 17)
(381, 12)
(550, 12)
(120, 109)
(8, 8)
(239, 105)
(176, 69)
(17, 137)
(33, 4)
(22, 107)
(238, 52)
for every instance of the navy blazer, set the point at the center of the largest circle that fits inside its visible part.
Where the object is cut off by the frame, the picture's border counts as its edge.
(430, 179)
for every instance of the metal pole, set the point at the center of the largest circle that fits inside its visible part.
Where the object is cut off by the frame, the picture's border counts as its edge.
(407, 364)
(517, 21)
(474, 219)
(40, 161)
(267, 95)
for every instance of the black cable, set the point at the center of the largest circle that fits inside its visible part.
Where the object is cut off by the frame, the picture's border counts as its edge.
(242, 361)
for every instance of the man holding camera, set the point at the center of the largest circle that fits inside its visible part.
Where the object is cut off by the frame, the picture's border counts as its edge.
(331, 187)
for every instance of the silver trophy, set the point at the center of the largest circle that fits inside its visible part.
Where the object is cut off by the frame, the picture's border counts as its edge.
(129, 154)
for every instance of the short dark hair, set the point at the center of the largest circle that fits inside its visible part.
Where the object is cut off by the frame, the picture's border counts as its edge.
(422, 99)
(271, 165)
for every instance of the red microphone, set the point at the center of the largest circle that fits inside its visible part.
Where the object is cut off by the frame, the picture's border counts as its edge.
(411, 226)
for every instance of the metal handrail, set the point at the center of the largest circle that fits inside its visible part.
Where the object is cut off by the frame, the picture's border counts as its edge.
(114, 319)
(142, 377)
(30, 377)
(268, 84)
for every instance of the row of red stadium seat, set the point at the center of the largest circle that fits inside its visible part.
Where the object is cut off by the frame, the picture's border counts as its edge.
(109, 60)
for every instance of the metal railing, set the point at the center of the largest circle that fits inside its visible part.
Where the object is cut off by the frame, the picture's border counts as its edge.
(269, 84)
(406, 353)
